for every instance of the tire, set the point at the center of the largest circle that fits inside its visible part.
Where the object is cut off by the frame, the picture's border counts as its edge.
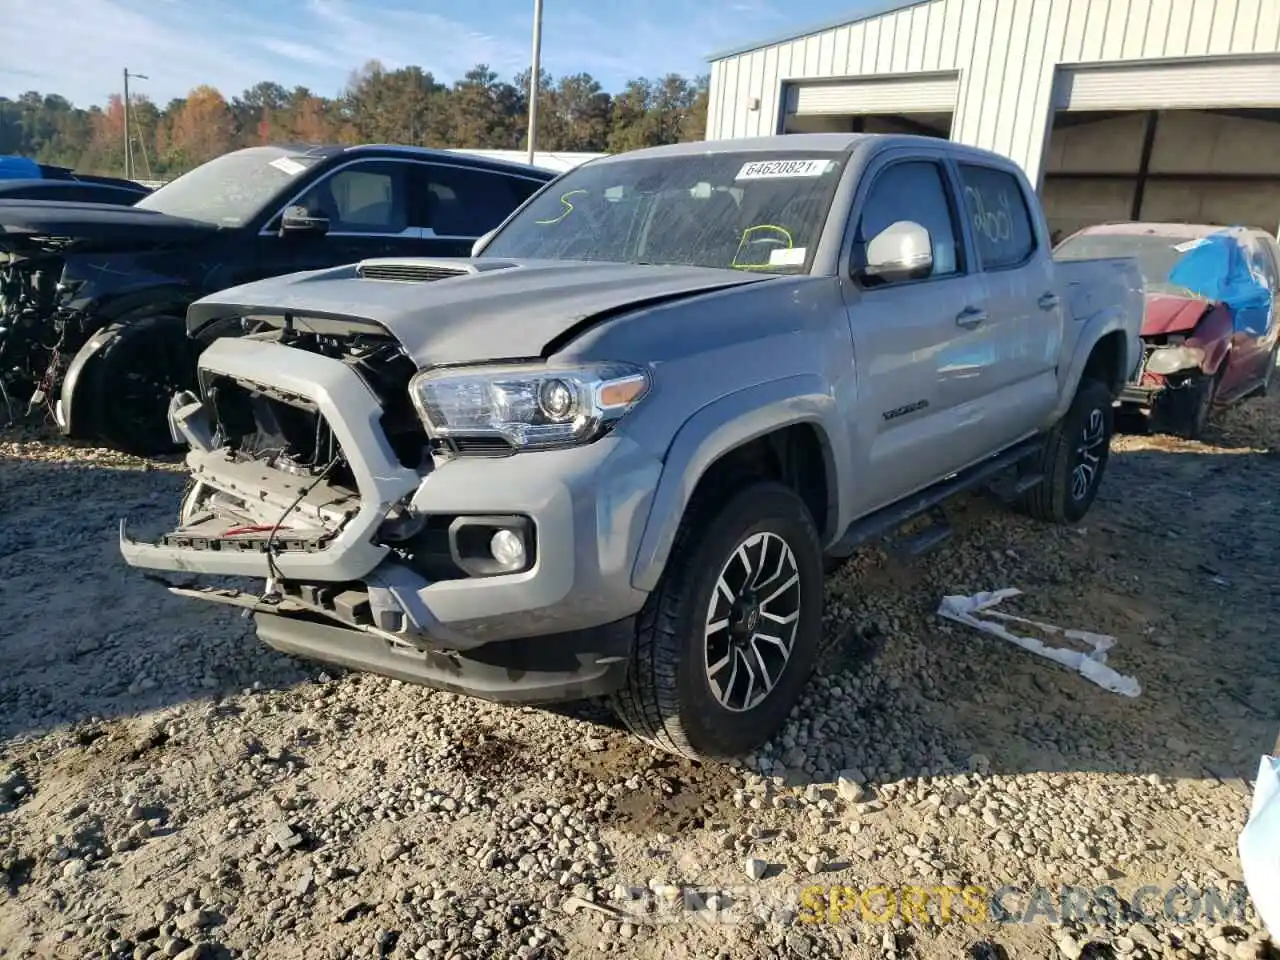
(137, 373)
(1185, 412)
(669, 700)
(1272, 357)
(1079, 441)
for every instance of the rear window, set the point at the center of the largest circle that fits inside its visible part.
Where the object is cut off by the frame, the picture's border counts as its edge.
(997, 210)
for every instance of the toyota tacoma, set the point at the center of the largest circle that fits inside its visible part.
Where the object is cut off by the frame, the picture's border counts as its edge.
(614, 451)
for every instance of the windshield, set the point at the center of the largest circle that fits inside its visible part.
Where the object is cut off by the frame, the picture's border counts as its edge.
(229, 190)
(743, 211)
(1158, 257)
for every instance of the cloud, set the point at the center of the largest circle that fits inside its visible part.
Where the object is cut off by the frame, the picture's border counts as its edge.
(291, 50)
(234, 44)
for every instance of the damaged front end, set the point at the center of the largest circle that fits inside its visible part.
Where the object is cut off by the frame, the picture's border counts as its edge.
(276, 492)
(38, 333)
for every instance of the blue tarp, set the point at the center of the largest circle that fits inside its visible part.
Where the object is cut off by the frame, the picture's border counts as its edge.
(19, 168)
(1217, 267)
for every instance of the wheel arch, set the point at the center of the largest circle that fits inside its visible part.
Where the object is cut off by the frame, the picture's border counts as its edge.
(784, 430)
(113, 317)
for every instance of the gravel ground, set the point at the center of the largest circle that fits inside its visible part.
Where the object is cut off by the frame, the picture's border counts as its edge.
(171, 788)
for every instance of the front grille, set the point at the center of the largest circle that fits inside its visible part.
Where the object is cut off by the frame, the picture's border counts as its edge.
(408, 272)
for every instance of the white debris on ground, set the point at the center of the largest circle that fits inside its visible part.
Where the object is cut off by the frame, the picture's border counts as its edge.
(169, 787)
(976, 611)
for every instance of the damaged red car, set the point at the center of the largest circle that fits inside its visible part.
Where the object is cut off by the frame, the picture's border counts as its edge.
(1210, 331)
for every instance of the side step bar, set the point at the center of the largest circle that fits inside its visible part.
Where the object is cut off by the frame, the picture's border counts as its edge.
(888, 519)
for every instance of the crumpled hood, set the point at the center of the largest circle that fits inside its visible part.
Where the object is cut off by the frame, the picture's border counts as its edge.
(98, 224)
(1167, 314)
(496, 309)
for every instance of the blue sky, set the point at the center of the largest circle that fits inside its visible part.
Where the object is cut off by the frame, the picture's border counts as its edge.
(78, 47)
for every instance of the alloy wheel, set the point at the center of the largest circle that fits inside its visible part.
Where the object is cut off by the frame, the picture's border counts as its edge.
(752, 621)
(1093, 438)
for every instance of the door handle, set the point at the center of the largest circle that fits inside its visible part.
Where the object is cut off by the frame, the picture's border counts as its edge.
(970, 317)
(1048, 301)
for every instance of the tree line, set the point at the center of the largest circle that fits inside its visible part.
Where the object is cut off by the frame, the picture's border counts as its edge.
(406, 106)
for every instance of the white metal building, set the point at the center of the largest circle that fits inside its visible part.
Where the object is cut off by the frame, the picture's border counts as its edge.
(1117, 109)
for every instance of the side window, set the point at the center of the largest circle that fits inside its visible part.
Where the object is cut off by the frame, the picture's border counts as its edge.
(465, 202)
(363, 198)
(997, 209)
(913, 190)
(1264, 257)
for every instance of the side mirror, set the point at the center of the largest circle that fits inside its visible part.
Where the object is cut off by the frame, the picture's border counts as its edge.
(901, 251)
(298, 219)
(482, 241)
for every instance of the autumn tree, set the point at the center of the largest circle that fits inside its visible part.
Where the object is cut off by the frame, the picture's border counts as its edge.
(202, 128)
(403, 105)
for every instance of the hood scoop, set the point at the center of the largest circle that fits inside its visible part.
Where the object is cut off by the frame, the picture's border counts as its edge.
(424, 270)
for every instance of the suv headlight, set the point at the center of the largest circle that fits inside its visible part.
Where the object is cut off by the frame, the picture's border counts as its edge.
(531, 407)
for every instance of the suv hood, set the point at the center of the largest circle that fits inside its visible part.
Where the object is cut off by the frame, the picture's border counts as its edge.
(461, 310)
(27, 223)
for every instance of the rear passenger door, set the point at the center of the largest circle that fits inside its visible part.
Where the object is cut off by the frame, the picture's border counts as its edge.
(913, 356)
(1022, 332)
(455, 204)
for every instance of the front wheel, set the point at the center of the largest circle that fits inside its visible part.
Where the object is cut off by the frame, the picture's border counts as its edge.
(1267, 374)
(150, 359)
(1074, 458)
(727, 641)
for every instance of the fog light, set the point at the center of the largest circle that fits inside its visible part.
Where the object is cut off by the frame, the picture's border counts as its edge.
(507, 548)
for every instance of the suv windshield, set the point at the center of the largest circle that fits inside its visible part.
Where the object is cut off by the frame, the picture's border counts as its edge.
(743, 211)
(229, 190)
(1157, 256)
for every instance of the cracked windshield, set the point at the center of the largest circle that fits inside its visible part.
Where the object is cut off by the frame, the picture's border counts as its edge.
(747, 211)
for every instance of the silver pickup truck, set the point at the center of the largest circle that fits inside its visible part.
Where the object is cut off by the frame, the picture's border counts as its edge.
(614, 450)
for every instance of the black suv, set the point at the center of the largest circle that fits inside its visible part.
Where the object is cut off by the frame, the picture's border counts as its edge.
(93, 296)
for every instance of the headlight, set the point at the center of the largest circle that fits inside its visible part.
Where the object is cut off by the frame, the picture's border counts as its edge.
(531, 407)
(1166, 360)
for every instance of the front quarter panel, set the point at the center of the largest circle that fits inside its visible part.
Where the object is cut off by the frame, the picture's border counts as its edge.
(728, 367)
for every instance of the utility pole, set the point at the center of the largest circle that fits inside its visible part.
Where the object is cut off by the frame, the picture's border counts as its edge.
(128, 147)
(128, 143)
(533, 78)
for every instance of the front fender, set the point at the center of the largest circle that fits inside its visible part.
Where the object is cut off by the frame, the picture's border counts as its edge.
(721, 426)
(1213, 336)
(77, 394)
(71, 419)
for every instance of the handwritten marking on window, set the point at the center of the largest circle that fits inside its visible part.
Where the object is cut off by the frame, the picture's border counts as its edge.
(762, 233)
(568, 209)
(996, 226)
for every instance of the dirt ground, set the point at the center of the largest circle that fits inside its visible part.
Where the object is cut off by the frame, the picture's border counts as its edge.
(170, 787)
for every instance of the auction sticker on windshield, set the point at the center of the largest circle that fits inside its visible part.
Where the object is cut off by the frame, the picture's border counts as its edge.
(775, 169)
(288, 165)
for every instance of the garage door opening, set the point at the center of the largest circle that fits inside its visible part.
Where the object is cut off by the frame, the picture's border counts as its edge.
(921, 124)
(1218, 166)
(1190, 141)
(923, 104)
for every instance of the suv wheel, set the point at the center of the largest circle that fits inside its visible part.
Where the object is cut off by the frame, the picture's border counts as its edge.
(1075, 457)
(149, 361)
(727, 641)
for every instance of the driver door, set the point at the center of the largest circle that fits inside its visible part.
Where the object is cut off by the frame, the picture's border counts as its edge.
(919, 350)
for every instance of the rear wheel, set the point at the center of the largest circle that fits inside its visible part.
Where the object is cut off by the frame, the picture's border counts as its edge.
(1074, 458)
(727, 641)
(149, 361)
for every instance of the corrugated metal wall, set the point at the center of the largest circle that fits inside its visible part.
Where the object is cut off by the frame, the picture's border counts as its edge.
(1006, 52)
